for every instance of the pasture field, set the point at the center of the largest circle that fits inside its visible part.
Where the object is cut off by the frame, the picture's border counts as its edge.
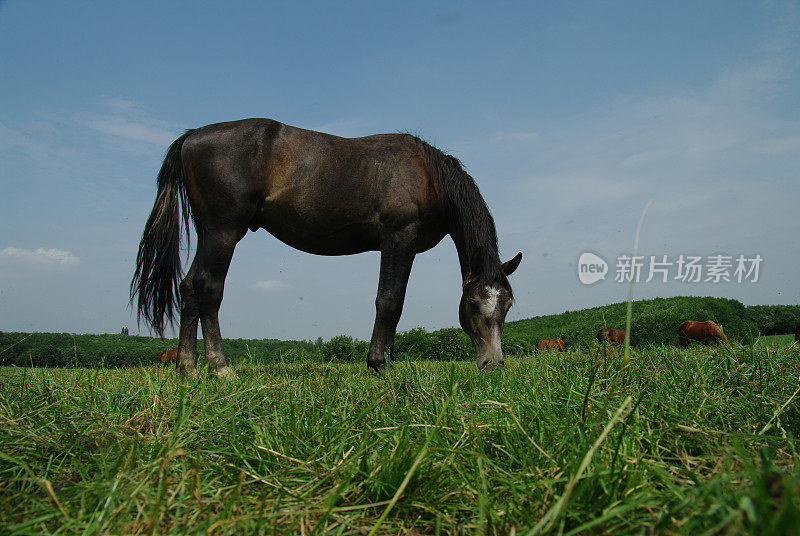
(697, 441)
(775, 341)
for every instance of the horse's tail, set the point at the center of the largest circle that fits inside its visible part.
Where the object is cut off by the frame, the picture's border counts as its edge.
(158, 264)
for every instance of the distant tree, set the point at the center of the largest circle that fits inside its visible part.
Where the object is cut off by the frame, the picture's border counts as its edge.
(124, 330)
(293, 355)
(341, 348)
(413, 344)
(43, 356)
(450, 344)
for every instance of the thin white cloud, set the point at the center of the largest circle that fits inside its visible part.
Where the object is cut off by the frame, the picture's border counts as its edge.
(270, 285)
(52, 257)
(119, 103)
(137, 130)
(20, 142)
(665, 146)
(126, 121)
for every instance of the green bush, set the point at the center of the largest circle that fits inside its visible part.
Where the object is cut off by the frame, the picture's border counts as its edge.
(360, 350)
(516, 344)
(450, 344)
(293, 355)
(654, 321)
(413, 344)
(774, 319)
(47, 356)
(339, 348)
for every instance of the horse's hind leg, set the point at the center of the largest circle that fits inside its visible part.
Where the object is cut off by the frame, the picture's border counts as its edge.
(214, 252)
(190, 314)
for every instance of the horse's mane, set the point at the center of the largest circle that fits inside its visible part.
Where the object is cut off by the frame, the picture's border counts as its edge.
(469, 217)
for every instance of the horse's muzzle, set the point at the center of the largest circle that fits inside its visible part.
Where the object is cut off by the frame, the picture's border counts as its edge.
(490, 362)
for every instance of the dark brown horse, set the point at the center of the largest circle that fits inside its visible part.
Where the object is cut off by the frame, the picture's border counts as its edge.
(704, 332)
(167, 357)
(797, 333)
(611, 335)
(321, 194)
(551, 344)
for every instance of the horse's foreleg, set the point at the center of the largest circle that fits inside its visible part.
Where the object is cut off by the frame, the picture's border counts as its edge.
(395, 270)
(190, 314)
(214, 253)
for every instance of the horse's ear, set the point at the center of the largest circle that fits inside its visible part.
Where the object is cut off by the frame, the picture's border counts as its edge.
(510, 266)
(476, 261)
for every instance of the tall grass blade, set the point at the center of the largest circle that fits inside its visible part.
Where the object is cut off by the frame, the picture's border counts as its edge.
(629, 315)
(546, 523)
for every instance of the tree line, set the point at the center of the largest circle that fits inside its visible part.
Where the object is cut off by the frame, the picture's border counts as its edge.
(654, 322)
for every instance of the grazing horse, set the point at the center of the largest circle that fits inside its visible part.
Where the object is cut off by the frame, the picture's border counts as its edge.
(167, 357)
(321, 194)
(611, 335)
(551, 344)
(705, 332)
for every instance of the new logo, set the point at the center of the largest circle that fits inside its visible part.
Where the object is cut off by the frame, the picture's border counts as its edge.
(591, 268)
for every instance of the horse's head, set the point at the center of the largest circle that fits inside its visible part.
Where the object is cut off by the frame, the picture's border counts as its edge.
(482, 311)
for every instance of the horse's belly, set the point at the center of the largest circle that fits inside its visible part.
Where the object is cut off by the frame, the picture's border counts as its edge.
(316, 233)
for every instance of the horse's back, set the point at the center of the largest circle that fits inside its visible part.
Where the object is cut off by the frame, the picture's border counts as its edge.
(702, 331)
(551, 344)
(611, 335)
(317, 192)
(167, 357)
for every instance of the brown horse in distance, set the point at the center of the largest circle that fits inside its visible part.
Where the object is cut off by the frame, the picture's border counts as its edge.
(167, 357)
(797, 333)
(704, 332)
(611, 335)
(551, 344)
(321, 194)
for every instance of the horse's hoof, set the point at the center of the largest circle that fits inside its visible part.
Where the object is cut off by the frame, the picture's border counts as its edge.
(376, 363)
(224, 372)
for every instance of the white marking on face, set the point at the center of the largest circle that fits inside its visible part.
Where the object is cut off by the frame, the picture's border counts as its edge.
(491, 345)
(494, 338)
(489, 305)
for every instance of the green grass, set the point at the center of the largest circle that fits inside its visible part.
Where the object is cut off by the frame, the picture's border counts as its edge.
(775, 341)
(697, 441)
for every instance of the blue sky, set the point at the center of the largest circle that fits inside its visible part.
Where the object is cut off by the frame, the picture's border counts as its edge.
(569, 115)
